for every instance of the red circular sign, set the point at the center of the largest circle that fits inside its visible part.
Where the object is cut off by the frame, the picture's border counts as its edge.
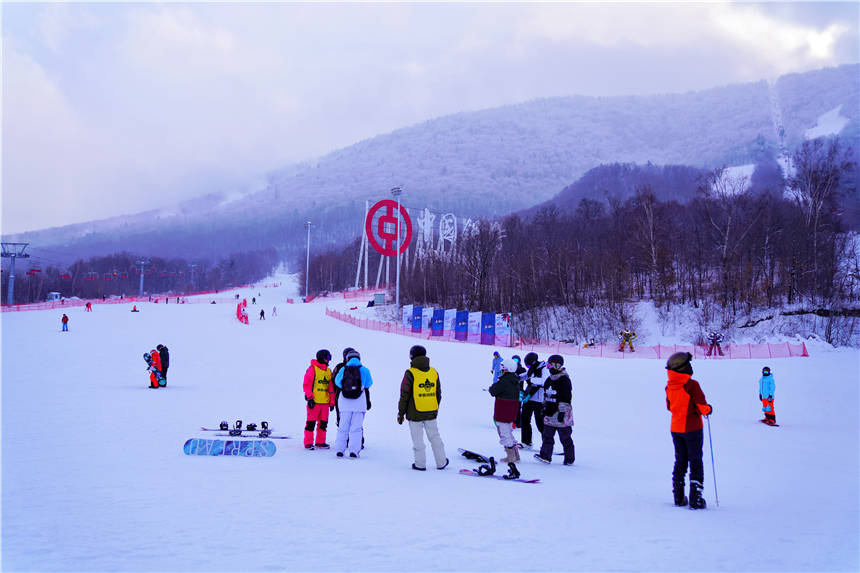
(386, 228)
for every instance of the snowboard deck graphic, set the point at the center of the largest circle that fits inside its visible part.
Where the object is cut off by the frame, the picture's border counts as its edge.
(244, 448)
(494, 476)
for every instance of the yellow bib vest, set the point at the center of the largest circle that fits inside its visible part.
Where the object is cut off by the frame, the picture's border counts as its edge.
(424, 389)
(321, 383)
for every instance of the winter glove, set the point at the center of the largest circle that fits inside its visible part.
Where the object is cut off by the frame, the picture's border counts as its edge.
(561, 416)
(367, 397)
(311, 403)
(400, 418)
(759, 397)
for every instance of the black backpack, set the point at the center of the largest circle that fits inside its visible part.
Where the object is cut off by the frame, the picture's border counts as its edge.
(351, 382)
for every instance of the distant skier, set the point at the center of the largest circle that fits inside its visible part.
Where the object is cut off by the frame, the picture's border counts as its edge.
(89, 307)
(557, 412)
(627, 337)
(262, 314)
(354, 382)
(497, 362)
(65, 322)
(506, 390)
(164, 357)
(766, 390)
(274, 311)
(714, 340)
(533, 398)
(319, 395)
(687, 403)
(420, 396)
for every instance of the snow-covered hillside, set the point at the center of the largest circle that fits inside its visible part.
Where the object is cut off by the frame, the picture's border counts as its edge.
(94, 478)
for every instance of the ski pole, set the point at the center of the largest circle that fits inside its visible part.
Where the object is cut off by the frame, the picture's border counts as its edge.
(711, 444)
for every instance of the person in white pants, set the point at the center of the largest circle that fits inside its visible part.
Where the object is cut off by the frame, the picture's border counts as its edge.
(354, 382)
(420, 396)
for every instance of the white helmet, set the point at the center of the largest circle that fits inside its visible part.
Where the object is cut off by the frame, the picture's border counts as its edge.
(510, 364)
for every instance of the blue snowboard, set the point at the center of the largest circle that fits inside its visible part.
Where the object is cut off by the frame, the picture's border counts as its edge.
(246, 448)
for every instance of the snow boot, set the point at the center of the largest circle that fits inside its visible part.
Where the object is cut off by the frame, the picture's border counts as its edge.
(542, 459)
(678, 492)
(696, 499)
(510, 457)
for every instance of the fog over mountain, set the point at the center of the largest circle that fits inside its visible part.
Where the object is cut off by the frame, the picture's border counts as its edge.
(485, 163)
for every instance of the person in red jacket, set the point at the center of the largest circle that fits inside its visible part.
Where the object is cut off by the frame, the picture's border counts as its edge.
(687, 403)
(319, 394)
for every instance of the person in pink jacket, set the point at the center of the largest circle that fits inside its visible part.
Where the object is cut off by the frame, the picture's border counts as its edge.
(319, 394)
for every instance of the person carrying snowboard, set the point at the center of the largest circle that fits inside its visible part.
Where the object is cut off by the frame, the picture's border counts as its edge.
(557, 412)
(354, 382)
(506, 390)
(533, 398)
(687, 403)
(420, 396)
(164, 355)
(153, 366)
(766, 389)
(319, 395)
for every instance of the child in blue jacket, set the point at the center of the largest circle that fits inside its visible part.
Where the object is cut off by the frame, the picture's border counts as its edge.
(766, 389)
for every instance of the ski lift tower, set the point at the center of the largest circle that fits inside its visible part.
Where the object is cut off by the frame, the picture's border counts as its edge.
(13, 251)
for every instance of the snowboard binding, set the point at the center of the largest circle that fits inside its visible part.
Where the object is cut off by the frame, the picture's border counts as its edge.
(487, 469)
(223, 425)
(265, 432)
(251, 427)
(237, 429)
(513, 472)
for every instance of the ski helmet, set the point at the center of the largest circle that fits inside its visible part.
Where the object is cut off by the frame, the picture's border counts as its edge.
(417, 350)
(531, 358)
(323, 356)
(680, 362)
(352, 354)
(556, 360)
(516, 357)
(509, 364)
(765, 371)
(347, 350)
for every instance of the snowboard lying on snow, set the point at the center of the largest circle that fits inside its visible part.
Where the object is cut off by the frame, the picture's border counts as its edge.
(488, 468)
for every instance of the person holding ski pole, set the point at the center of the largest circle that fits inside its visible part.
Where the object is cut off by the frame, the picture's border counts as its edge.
(687, 403)
(420, 397)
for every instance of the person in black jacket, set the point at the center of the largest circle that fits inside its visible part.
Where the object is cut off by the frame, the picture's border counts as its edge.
(164, 354)
(558, 412)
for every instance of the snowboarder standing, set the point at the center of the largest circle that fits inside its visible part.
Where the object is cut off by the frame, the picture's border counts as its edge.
(337, 368)
(420, 396)
(506, 390)
(766, 389)
(687, 403)
(557, 412)
(164, 355)
(714, 340)
(533, 396)
(65, 322)
(497, 363)
(319, 394)
(627, 337)
(354, 382)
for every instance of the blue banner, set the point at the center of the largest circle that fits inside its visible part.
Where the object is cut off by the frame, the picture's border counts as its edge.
(488, 328)
(461, 325)
(417, 313)
(437, 323)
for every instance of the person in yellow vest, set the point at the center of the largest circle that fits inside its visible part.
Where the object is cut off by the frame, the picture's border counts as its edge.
(319, 394)
(420, 396)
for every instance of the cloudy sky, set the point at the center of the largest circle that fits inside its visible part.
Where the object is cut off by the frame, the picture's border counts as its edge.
(111, 108)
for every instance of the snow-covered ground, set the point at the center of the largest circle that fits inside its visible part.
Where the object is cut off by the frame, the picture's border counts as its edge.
(94, 478)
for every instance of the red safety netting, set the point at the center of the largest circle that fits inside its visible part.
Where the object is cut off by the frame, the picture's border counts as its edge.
(730, 351)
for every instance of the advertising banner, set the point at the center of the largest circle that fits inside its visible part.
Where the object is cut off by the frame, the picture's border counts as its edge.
(503, 329)
(450, 320)
(437, 322)
(406, 317)
(488, 328)
(474, 327)
(461, 325)
(426, 319)
(417, 313)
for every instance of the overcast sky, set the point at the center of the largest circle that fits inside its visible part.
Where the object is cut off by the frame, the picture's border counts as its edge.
(114, 108)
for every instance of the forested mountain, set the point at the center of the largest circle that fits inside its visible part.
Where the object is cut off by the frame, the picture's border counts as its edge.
(485, 163)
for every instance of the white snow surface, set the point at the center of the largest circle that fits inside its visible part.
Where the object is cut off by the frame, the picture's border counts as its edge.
(94, 477)
(830, 123)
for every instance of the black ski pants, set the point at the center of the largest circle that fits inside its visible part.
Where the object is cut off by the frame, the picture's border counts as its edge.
(688, 451)
(529, 408)
(565, 437)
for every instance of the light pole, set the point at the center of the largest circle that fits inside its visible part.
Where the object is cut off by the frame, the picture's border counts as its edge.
(396, 191)
(308, 260)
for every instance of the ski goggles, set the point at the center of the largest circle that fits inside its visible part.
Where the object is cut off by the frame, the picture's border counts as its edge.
(765, 371)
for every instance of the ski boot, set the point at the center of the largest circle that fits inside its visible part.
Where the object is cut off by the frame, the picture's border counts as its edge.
(513, 472)
(696, 499)
(678, 492)
(488, 469)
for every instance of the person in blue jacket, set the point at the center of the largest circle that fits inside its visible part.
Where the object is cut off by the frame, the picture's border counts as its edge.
(497, 366)
(353, 382)
(766, 390)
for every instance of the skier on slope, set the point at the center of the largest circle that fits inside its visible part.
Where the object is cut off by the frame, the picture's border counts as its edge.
(354, 382)
(420, 396)
(533, 396)
(715, 339)
(627, 337)
(497, 363)
(766, 390)
(506, 390)
(557, 412)
(686, 401)
(319, 395)
(65, 322)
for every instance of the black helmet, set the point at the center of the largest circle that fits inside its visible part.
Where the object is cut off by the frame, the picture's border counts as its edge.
(765, 371)
(347, 350)
(555, 360)
(680, 362)
(417, 350)
(323, 356)
(531, 358)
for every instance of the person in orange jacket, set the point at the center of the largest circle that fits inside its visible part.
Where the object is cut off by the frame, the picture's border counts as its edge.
(319, 394)
(687, 403)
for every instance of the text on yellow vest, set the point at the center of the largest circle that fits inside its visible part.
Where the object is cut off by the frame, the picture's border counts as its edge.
(321, 384)
(424, 386)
